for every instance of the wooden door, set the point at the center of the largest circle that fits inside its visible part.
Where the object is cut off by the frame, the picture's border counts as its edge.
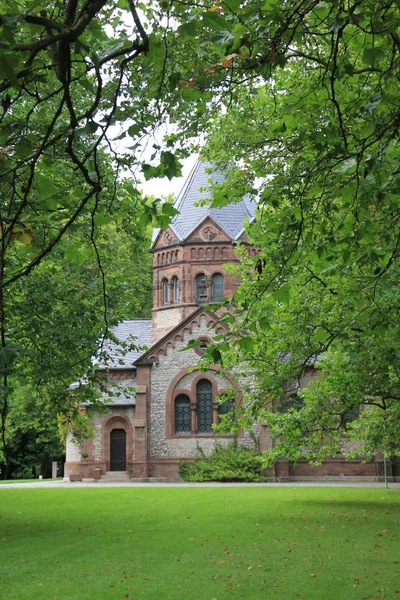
(118, 450)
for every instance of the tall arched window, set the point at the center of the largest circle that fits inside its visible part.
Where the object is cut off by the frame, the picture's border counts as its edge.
(217, 282)
(165, 289)
(294, 401)
(226, 410)
(183, 420)
(350, 415)
(175, 289)
(204, 406)
(201, 288)
(226, 407)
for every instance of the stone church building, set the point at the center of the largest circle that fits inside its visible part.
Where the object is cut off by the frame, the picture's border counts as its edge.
(164, 408)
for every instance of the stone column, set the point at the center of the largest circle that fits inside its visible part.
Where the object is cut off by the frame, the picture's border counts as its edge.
(140, 462)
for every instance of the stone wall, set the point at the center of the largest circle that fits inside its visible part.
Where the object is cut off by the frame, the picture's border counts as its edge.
(164, 380)
(94, 453)
(100, 419)
(73, 450)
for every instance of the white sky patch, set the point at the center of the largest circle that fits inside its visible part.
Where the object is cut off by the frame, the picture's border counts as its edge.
(163, 187)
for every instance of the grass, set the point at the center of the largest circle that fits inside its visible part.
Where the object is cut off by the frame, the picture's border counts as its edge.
(199, 543)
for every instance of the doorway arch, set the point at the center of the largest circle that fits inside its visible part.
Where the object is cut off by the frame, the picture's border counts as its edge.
(117, 443)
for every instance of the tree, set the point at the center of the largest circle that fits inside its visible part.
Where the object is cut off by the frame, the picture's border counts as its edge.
(66, 79)
(315, 133)
(60, 324)
(32, 436)
(319, 80)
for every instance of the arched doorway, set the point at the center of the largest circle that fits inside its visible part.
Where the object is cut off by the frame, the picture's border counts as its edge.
(118, 450)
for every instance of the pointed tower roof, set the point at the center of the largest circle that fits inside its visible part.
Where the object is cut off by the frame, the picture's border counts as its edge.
(229, 218)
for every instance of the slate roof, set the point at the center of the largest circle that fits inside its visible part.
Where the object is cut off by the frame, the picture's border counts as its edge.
(121, 394)
(137, 332)
(197, 187)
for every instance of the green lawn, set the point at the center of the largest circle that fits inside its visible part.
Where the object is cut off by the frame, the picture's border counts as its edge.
(199, 543)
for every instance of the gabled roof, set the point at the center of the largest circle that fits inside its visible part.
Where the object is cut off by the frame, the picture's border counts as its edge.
(149, 356)
(197, 188)
(136, 332)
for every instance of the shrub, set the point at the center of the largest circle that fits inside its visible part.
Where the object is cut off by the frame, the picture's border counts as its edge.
(224, 464)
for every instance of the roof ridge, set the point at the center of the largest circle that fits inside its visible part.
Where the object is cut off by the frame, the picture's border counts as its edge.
(130, 320)
(185, 186)
(194, 204)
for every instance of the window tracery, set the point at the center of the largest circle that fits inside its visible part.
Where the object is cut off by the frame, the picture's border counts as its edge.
(165, 291)
(183, 421)
(196, 410)
(204, 402)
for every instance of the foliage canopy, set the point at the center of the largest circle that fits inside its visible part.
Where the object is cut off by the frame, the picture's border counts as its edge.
(318, 145)
(309, 91)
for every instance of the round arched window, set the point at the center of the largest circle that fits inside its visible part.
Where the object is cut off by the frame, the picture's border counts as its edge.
(204, 406)
(217, 283)
(165, 289)
(201, 348)
(183, 419)
(175, 289)
(201, 288)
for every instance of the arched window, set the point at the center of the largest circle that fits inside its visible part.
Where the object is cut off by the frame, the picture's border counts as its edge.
(175, 289)
(226, 409)
(183, 420)
(204, 406)
(350, 415)
(294, 401)
(217, 283)
(202, 347)
(165, 288)
(201, 288)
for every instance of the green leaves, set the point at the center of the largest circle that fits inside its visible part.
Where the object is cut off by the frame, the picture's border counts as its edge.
(46, 188)
(189, 29)
(282, 294)
(8, 355)
(317, 144)
(371, 56)
(309, 113)
(169, 167)
(8, 68)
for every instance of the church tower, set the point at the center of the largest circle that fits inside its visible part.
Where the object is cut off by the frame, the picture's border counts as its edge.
(188, 258)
